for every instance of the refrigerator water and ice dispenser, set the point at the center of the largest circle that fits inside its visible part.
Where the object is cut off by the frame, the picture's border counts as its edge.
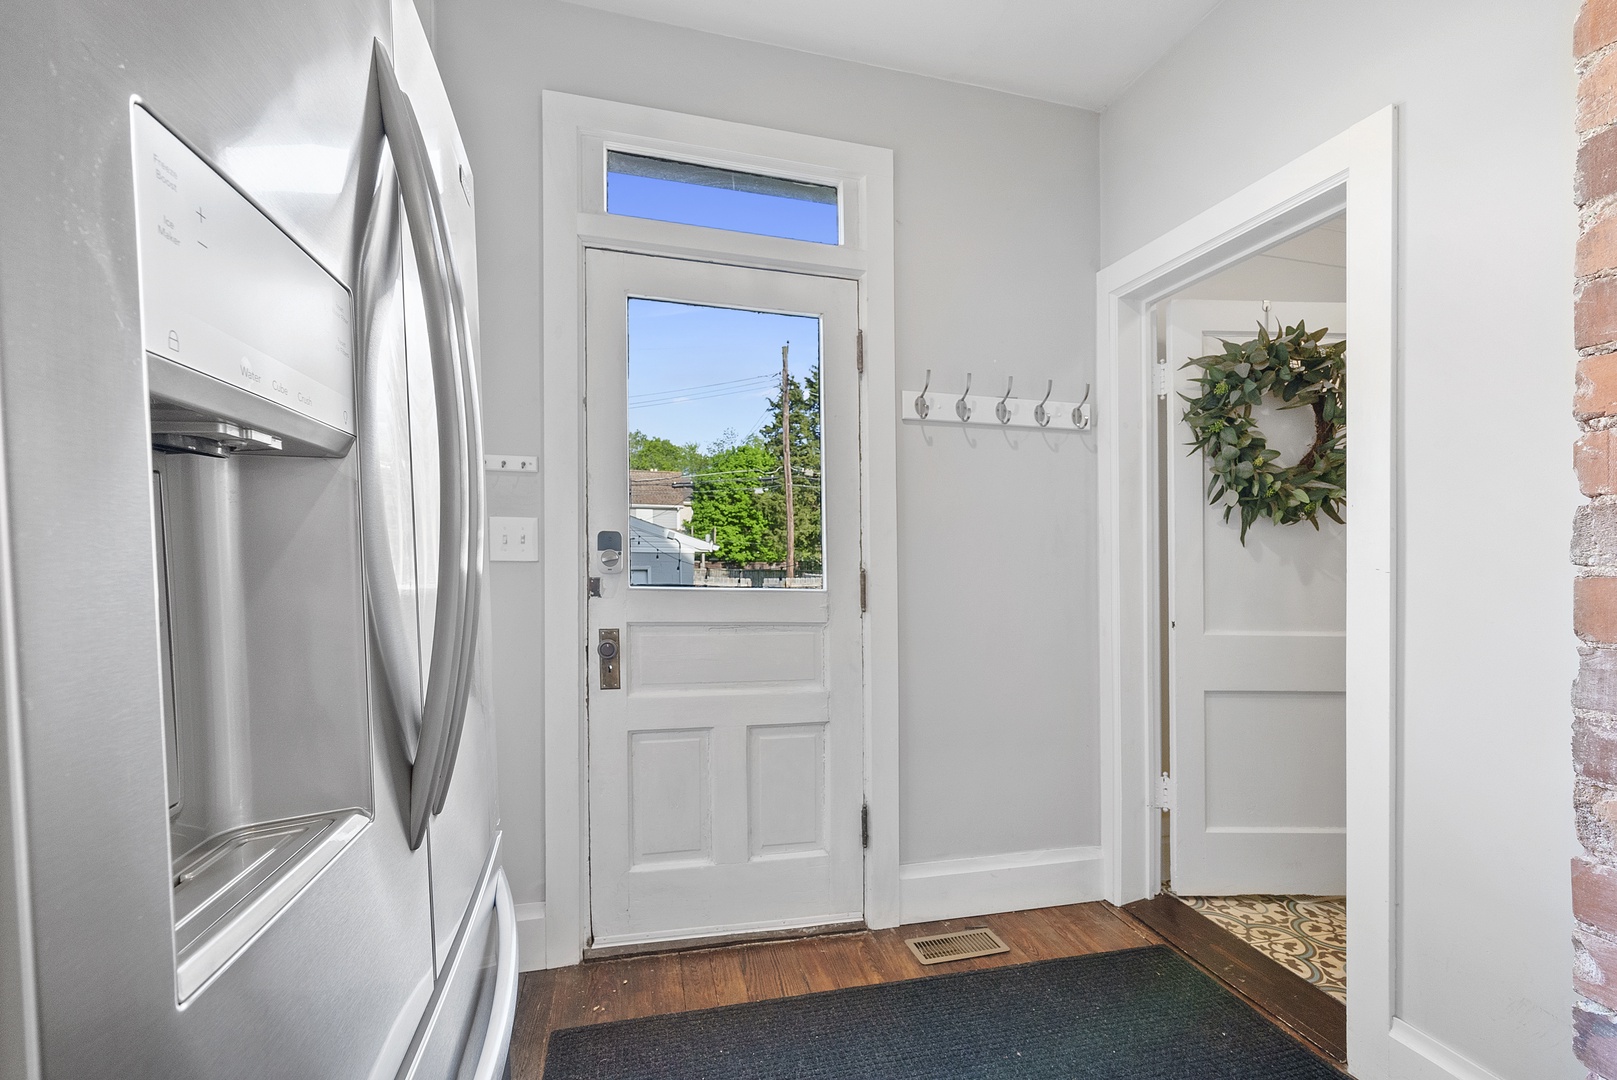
(249, 350)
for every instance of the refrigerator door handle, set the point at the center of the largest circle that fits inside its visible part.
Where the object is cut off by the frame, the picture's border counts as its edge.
(478, 550)
(379, 271)
(460, 533)
(503, 1011)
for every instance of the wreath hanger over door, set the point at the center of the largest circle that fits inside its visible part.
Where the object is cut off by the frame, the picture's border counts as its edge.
(1298, 372)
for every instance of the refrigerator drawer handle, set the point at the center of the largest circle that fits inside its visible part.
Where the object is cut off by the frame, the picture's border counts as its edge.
(460, 541)
(492, 889)
(503, 1011)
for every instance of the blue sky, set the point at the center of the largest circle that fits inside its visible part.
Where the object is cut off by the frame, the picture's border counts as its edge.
(695, 371)
(721, 208)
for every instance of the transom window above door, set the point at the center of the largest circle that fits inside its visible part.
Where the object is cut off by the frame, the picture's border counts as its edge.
(725, 477)
(688, 193)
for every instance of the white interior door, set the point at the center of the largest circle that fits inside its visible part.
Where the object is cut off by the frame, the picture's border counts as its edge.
(726, 767)
(1257, 657)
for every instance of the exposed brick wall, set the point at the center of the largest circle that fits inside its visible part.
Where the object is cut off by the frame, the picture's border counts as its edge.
(1594, 545)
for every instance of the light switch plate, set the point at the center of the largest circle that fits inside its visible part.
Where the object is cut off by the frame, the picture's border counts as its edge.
(517, 463)
(513, 539)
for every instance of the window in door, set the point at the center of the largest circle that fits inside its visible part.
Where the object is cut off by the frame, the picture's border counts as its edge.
(725, 477)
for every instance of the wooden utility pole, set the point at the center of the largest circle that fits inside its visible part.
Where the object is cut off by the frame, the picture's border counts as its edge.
(786, 462)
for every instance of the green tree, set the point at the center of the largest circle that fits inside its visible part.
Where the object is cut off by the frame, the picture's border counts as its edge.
(728, 498)
(807, 475)
(664, 455)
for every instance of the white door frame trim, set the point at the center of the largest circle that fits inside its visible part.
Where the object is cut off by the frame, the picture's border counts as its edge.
(574, 130)
(1356, 171)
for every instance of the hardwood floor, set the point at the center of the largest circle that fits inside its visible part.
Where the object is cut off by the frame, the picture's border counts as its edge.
(621, 989)
(1309, 1012)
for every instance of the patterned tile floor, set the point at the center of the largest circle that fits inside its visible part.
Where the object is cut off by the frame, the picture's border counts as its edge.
(1305, 934)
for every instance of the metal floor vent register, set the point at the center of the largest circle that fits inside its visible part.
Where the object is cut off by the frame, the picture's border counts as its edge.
(960, 945)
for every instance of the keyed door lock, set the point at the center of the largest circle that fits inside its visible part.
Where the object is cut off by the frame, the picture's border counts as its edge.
(606, 649)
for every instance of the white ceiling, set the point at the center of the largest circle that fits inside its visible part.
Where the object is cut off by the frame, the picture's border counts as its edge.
(1076, 52)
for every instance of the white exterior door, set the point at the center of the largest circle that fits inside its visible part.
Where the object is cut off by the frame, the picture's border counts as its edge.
(726, 766)
(1257, 660)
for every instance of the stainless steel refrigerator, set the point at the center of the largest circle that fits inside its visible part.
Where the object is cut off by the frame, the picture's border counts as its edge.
(248, 824)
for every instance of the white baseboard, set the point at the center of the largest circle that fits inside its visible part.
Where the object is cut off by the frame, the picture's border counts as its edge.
(1425, 1057)
(530, 936)
(958, 888)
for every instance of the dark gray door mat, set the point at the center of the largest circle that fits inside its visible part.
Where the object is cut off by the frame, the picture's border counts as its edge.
(1142, 1014)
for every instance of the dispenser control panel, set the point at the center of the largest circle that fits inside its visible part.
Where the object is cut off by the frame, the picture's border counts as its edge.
(225, 292)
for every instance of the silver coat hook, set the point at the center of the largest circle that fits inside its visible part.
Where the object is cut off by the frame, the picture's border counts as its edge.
(1002, 410)
(922, 407)
(1080, 412)
(1266, 315)
(1039, 415)
(962, 408)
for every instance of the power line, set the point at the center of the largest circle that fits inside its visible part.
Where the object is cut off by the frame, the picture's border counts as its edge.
(764, 416)
(706, 386)
(745, 392)
(696, 393)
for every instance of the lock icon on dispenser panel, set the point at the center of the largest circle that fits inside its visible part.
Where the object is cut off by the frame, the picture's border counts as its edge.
(609, 551)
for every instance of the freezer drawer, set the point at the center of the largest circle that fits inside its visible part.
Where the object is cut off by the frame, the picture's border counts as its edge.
(465, 1033)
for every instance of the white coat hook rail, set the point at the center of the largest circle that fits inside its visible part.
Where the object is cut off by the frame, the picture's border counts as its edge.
(1002, 411)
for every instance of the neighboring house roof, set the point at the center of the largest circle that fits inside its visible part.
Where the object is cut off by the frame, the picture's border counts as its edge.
(644, 536)
(655, 487)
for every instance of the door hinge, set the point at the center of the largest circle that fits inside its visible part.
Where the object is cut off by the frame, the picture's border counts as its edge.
(864, 590)
(1167, 793)
(859, 352)
(864, 826)
(1162, 377)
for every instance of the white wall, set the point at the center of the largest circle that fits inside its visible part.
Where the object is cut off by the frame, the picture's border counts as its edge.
(1308, 268)
(995, 204)
(1486, 94)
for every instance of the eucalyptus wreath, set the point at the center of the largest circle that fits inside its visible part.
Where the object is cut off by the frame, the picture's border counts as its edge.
(1294, 367)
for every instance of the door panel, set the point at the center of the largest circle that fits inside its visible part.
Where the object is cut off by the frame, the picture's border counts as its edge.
(670, 797)
(401, 462)
(726, 774)
(786, 813)
(1244, 790)
(1257, 709)
(461, 835)
(684, 657)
